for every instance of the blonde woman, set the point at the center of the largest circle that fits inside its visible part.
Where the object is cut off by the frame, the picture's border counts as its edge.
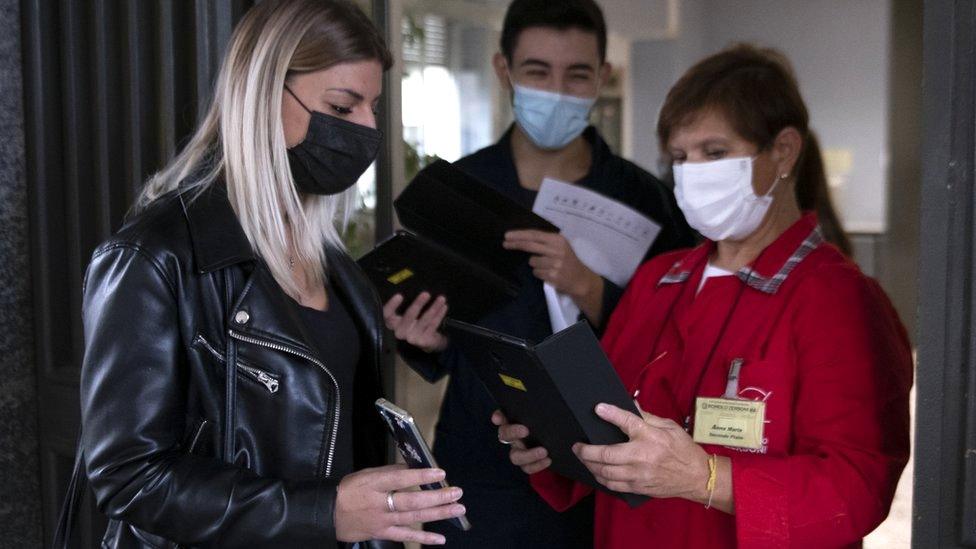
(233, 350)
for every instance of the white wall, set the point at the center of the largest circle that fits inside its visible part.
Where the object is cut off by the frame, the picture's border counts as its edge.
(638, 19)
(840, 50)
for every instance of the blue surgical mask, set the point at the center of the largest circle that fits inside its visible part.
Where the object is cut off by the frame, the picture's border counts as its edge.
(551, 120)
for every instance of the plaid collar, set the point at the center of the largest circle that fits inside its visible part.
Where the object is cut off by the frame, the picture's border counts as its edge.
(681, 271)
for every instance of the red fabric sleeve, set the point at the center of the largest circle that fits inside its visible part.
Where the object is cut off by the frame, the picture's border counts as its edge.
(559, 492)
(850, 421)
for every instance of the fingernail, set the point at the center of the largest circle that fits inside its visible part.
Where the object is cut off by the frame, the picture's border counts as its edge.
(436, 474)
(460, 510)
(601, 407)
(439, 541)
(456, 493)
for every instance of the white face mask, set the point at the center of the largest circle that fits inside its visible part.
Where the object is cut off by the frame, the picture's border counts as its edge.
(717, 198)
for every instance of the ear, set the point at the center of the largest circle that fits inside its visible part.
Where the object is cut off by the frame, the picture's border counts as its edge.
(604, 73)
(500, 64)
(786, 150)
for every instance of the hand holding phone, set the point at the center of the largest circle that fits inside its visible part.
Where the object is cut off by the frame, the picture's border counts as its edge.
(413, 447)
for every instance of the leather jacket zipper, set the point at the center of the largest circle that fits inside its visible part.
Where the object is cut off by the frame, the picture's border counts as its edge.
(299, 353)
(196, 437)
(269, 380)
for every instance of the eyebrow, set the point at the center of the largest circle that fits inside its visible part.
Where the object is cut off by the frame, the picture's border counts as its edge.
(714, 141)
(535, 62)
(574, 67)
(581, 67)
(708, 142)
(355, 95)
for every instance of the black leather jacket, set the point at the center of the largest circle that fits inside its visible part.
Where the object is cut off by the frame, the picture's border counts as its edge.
(170, 300)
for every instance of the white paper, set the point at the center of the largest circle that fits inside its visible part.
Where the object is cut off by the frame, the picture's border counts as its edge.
(608, 237)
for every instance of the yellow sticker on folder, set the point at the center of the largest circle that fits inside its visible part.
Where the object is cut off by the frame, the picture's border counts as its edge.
(400, 276)
(513, 382)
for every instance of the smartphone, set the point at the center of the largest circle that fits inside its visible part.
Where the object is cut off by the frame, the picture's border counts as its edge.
(413, 447)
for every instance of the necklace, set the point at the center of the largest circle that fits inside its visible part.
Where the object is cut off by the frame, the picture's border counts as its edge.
(301, 288)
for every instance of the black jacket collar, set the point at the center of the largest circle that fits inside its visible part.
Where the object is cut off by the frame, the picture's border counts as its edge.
(217, 236)
(219, 241)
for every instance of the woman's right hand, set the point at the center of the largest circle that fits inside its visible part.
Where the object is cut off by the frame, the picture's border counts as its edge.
(362, 511)
(532, 460)
(419, 330)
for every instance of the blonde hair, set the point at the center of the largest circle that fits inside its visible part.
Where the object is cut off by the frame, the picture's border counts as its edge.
(241, 139)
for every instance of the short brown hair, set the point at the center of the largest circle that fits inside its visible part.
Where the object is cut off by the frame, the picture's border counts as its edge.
(755, 89)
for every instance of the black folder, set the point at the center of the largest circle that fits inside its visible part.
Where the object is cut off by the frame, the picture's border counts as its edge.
(408, 264)
(552, 388)
(453, 245)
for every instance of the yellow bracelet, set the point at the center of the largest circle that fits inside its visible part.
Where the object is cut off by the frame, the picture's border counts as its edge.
(712, 475)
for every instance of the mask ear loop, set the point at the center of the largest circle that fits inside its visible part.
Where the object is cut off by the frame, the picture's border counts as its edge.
(297, 99)
(780, 177)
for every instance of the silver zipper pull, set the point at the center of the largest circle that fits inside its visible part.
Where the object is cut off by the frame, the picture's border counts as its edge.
(268, 381)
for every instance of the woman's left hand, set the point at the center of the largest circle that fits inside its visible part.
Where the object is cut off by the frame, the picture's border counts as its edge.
(660, 460)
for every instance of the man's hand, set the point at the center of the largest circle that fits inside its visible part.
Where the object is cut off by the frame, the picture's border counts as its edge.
(554, 261)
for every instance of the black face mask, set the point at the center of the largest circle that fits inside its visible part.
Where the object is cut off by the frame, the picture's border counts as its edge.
(334, 154)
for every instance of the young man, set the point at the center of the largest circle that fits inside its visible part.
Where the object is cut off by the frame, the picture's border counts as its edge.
(553, 61)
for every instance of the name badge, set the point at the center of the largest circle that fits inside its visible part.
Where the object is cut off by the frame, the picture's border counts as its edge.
(729, 422)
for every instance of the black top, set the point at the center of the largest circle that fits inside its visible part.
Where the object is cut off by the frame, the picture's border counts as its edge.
(336, 338)
(496, 492)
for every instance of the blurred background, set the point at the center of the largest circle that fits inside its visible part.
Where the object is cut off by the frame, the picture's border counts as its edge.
(98, 94)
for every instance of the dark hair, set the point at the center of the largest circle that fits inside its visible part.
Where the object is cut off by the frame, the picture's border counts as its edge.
(756, 90)
(585, 15)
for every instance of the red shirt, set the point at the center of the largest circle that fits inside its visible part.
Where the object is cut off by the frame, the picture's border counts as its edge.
(821, 345)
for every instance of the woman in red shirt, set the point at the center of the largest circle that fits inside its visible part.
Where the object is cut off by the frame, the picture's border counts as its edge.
(773, 374)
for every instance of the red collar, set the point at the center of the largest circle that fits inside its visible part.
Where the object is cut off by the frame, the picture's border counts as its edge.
(773, 265)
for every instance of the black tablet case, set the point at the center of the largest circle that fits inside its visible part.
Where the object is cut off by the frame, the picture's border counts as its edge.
(408, 264)
(453, 246)
(565, 377)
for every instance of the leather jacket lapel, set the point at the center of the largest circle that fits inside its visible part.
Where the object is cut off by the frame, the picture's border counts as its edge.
(217, 238)
(263, 310)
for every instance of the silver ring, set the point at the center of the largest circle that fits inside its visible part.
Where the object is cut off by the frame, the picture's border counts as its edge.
(505, 442)
(389, 502)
